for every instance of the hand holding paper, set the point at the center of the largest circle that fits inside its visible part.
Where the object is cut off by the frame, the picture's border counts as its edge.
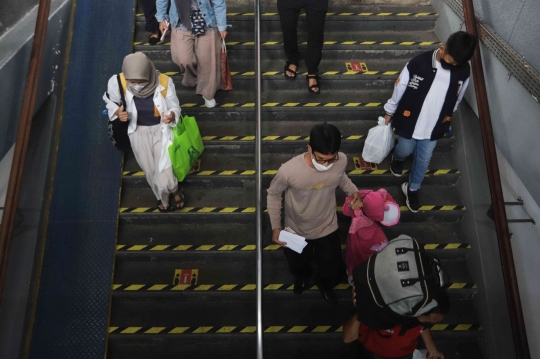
(294, 242)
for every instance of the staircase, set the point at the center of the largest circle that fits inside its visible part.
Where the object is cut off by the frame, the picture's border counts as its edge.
(160, 310)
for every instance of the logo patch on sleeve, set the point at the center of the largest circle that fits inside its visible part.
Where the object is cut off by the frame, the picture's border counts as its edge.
(403, 266)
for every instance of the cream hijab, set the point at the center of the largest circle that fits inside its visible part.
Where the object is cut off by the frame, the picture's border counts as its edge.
(139, 67)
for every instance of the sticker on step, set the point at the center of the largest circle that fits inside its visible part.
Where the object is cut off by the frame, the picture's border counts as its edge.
(356, 66)
(361, 164)
(196, 166)
(186, 276)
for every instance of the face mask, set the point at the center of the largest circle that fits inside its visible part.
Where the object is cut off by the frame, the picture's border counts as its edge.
(320, 167)
(445, 65)
(138, 87)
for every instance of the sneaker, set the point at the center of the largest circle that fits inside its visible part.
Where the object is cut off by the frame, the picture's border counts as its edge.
(210, 103)
(396, 167)
(412, 197)
(300, 284)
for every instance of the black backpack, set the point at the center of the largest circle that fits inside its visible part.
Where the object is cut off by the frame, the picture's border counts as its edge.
(118, 130)
(397, 285)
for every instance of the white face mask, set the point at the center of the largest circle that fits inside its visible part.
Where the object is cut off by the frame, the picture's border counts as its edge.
(138, 87)
(320, 167)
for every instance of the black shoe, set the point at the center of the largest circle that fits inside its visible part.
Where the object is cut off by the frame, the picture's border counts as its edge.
(154, 40)
(300, 284)
(412, 197)
(327, 293)
(396, 167)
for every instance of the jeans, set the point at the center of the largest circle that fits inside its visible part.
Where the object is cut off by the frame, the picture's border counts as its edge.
(327, 250)
(289, 11)
(422, 149)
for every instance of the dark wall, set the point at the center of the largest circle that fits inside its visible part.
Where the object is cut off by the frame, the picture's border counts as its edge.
(12, 11)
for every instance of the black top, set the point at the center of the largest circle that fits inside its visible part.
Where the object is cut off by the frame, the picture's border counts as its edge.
(145, 110)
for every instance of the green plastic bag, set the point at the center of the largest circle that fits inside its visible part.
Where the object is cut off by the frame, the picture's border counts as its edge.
(187, 146)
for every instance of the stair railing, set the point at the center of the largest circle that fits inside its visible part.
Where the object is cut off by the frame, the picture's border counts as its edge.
(501, 222)
(258, 172)
(23, 135)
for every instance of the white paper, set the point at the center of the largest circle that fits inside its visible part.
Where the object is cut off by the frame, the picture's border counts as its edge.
(294, 242)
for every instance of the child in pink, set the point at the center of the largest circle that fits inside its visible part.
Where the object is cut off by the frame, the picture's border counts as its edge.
(365, 234)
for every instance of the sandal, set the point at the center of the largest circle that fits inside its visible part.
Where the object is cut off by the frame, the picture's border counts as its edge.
(317, 84)
(288, 68)
(179, 203)
(165, 209)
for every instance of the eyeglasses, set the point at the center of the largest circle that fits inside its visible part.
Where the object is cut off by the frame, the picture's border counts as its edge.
(322, 160)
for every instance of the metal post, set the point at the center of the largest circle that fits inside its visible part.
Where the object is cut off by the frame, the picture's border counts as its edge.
(505, 247)
(258, 173)
(23, 135)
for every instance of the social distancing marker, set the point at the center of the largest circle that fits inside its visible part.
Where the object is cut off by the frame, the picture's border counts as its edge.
(185, 277)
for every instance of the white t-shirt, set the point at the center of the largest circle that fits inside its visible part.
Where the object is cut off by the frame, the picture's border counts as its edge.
(431, 109)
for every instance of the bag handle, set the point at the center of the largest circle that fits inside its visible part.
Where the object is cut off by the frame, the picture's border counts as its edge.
(223, 46)
(121, 89)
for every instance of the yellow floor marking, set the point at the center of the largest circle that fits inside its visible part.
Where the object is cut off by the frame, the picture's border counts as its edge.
(452, 246)
(274, 329)
(384, 14)
(353, 104)
(201, 330)
(447, 208)
(273, 286)
(270, 14)
(439, 327)
(131, 330)
(171, 73)
(367, 43)
(247, 138)
(390, 72)
(297, 329)
(116, 286)
(227, 287)
(249, 104)
(270, 43)
(155, 330)
(291, 104)
(208, 138)
(112, 329)
(227, 173)
(249, 43)
(270, 172)
(291, 287)
(388, 42)
(249, 287)
(225, 329)
(137, 247)
(232, 43)
(178, 330)
(232, 13)
(205, 247)
(182, 247)
(291, 138)
(346, 13)
(442, 171)
(272, 247)
(271, 104)
(330, 42)
(426, 208)
(246, 173)
(350, 73)
(228, 209)
(426, 43)
(120, 246)
(365, 14)
(137, 43)
(378, 172)
(160, 247)
(430, 246)
(342, 286)
(422, 14)
(140, 210)
(204, 287)
(248, 14)
(228, 105)
(270, 138)
(371, 72)
(407, 43)
(348, 42)
(355, 137)
(321, 329)
(227, 247)
(270, 73)
(189, 105)
(135, 287)
(249, 73)
(206, 209)
(339, 330)
(403, 14)
(332, 104)
(458, 285)
(373, 104)
(249, 210)
(249, 330)
(312, 104)
(157, 287)
(234, 73)
(249, 247)
(181, 287)
(205, 173)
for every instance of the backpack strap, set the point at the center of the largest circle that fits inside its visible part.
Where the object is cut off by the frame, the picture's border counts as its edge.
(122, 88)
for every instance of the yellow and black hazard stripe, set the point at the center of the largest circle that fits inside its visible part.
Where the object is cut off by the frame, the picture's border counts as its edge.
(278, 73)
(347, 43)
(236, 287)
(253, 209)
(269, 329)
(363, 14)
(287, 104)
(248, 247)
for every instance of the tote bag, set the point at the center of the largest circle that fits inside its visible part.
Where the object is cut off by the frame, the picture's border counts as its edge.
(186, 147)
(225, 70)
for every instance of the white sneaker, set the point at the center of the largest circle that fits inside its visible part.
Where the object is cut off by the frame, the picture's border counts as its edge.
(210, 103)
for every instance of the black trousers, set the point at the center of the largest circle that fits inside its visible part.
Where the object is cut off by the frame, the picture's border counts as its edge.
(289, 11)
(149, 8)
(327, 251)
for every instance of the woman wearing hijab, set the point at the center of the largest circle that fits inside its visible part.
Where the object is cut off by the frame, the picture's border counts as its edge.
(198, 27)
(151, 115)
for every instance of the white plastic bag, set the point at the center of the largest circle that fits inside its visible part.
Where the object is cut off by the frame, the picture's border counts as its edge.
(419, 354)
(379, 142)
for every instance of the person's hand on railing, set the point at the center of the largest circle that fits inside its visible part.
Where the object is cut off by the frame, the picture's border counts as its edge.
(122, 115)
(275, 238)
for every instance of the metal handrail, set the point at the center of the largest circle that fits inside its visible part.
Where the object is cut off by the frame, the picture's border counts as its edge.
(23, 135)
(501, 222)
(258, 173)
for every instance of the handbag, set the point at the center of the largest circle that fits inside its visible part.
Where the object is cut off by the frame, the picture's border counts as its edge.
(116, 129)
(226, 79)
(186, 147)
(379, 142)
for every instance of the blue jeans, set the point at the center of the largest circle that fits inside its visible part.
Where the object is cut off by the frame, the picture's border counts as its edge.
(422, 149)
